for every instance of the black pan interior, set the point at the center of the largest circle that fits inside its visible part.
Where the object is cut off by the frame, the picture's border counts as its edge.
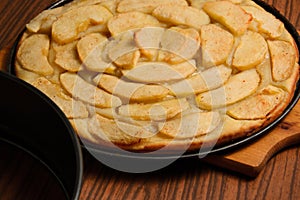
(33, 123)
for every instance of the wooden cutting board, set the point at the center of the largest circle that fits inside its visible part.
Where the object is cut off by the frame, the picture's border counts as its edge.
(248, 159)
(251, 159)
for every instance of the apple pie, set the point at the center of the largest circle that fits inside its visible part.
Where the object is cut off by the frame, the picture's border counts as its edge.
(148, 74)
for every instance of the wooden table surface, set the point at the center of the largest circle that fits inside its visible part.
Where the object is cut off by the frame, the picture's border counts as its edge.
(21, 177)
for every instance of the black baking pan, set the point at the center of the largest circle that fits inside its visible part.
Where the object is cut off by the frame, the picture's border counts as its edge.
(134, 162)
(33, 123)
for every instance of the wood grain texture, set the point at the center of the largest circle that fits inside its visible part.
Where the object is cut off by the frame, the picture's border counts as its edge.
(192, 179)
(251, 158)
(184, 179)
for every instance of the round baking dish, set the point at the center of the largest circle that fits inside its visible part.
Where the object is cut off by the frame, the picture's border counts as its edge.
(34, 124)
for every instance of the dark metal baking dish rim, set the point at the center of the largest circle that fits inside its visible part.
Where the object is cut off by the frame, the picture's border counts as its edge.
(228, 146)
(11, 135)
(41, 161)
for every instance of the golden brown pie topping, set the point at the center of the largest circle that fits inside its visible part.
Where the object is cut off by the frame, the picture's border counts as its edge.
(144, 74)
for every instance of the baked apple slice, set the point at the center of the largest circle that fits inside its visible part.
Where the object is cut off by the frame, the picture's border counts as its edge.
(230, 15)
(145, 6)
(71, 108)
(123, 51)
(259, 106)
(209, 79)
(216, 44)
(148, 41)
(163, 110)
(115, 132)
(87, 92)
(88, 43)
(267, 23)
(185, 48)
(181, 15)
(43, 22)
(131, 20)
(33, 53)
(81, 128)
(68, 26)
(134, 91)
(90, 51)
(250, 52)
(160, 72)
(283, 57)
(237, 88)
(191, 125)
(66, 56)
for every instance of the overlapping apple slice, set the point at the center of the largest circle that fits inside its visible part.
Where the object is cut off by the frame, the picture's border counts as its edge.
(33, 54)
(115, 132)
(209, 79)
(123, 51)
(232, 126)
(131, 20)
(158, 43)
(258, 106)
(185, 48)
(66, 56)
(191, 125)
(71, 107)
(90, 51)
(136, 92)
(198, 3)
(162, 110)
(181, 15)
(250, 52)
(43, 22)
(145, 6)
(237, 88)
(216, 44)
(99, 53)
(230, 15)
(87, 92)
(111, 113)
(160, 72)
(283, 57)
(148, 41)
(68, 26)
(267, 23)
(88, 43)
(82, 129)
